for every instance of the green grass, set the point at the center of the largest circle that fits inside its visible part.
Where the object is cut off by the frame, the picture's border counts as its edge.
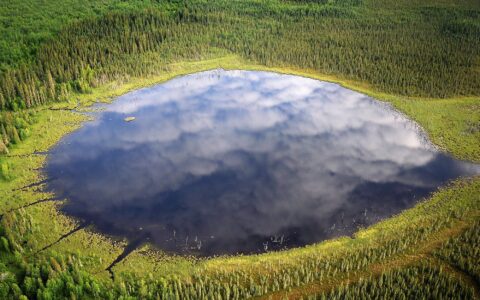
(452, 124)
(385, 244)
(402, 52)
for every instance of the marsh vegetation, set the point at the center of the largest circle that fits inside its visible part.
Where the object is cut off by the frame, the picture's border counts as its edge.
(422, 56)
(278, 161)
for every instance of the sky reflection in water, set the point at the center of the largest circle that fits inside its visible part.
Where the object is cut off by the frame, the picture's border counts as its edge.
(222, 162)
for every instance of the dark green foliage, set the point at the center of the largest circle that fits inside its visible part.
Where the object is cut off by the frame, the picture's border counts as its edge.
(463, 251)
(422, 51)
(26, 24)
(427, 52)
(417, 282)
(59, 277)
(336, 2)
(62, 276)
(14, 126)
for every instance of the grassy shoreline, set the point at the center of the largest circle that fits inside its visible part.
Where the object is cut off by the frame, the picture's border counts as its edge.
(42, 225)
(452, 124)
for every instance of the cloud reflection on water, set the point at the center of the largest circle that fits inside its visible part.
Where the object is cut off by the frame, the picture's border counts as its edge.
(234, 158)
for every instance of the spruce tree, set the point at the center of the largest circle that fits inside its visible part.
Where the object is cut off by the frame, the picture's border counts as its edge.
(3, 148)
(50, 86)
(14, 135)
(5, 138)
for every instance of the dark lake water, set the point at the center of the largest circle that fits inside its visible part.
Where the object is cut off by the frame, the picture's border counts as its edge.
(225, 162)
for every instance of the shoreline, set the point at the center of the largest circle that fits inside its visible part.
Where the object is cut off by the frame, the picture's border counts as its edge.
(102, 250)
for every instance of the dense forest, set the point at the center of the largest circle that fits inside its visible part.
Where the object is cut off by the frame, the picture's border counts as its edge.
(429, 52)
(330, 39)
(54, 51)
(59, 276)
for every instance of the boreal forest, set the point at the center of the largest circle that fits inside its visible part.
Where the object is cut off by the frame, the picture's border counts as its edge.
(59, 59)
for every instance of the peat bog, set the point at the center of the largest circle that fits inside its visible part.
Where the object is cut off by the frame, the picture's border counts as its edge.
(225, 162)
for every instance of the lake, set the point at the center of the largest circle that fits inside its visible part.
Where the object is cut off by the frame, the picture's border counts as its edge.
(225, 162)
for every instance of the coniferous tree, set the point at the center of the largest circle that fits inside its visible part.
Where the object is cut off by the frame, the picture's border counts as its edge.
(5, 138)
(3, 148)
(15, 138)
(50, 86)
